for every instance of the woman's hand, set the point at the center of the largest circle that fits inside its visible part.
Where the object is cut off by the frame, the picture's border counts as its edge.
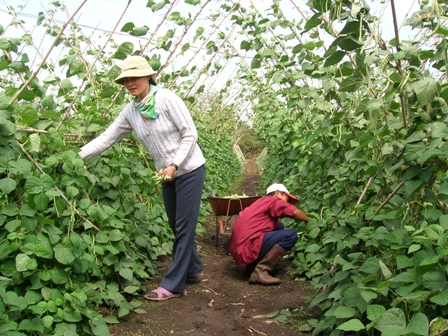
(169, 172)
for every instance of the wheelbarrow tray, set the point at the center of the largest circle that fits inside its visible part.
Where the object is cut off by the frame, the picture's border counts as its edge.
(229, 206)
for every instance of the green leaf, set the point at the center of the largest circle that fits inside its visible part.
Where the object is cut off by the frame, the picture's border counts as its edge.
(429, 154)
(36, 185)
(392, 320)
(426, 90)
(351, 325)
(72, 191)
(430, 260)
(41, 200)
(139, 31)
(64, 255)
(344, 312)
(47, 321)
(111, 319)
(419, 324)
(185, 47)
(434, 280)
(7, 185)
(256, 62)
(312, 22)
(127, 48)
(435, 231)
(71, 315)
(414, 248)
(403, 261)
(29, 116)
(10, 209)
(128, 27)
(131, 289)
(370, 266)
(374, 312)
(334, 58)
(411, 186)
(443, 220)
(348, 43)
(22, 262)
(386, 272)
(312, 248)
(349, 84)
(127, 273)
(13, 225)
(441, 298)
(416, 137)
(245, 45)
(439, 130)
(67, 84)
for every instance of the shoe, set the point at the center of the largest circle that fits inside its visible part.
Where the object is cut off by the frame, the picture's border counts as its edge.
(161, 294)
(260, 274)
(196, 278)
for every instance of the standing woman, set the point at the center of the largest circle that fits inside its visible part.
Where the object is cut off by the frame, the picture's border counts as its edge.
(162, 122)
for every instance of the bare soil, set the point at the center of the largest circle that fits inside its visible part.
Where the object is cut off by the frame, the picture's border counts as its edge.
(224, 303)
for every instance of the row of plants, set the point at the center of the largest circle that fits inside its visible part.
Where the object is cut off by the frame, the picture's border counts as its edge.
(363, 141)
(79, 240)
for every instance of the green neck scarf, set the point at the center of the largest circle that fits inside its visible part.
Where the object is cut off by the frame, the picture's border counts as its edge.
(146, 105)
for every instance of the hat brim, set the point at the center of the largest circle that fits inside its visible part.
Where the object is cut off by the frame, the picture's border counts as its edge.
(134, 73)
(292, 199)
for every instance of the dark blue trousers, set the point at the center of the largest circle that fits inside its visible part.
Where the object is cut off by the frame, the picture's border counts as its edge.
(182, 199)
(285, 238)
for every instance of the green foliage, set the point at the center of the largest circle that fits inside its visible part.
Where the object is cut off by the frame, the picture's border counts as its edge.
(79, 238)
(365, 150)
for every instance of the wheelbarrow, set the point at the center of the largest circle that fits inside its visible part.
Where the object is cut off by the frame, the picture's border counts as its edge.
(228, 207)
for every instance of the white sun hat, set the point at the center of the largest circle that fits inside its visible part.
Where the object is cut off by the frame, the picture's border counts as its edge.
(280, 187)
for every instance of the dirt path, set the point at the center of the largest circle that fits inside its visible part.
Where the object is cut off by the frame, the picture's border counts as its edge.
(225, 303)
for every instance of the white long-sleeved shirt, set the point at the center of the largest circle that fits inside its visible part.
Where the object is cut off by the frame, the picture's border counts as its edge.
(170, 138)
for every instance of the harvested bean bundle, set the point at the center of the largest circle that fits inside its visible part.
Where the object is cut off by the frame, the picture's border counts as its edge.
(160, 178)
(235, 196)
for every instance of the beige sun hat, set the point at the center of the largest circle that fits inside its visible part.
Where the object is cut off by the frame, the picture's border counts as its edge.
(135, 66)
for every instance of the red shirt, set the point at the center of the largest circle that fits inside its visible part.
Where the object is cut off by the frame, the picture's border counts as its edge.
(251, 225)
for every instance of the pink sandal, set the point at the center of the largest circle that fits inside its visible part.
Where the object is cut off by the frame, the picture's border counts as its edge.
(161, 294)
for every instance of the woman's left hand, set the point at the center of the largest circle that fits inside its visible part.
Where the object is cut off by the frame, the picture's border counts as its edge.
(169, 171)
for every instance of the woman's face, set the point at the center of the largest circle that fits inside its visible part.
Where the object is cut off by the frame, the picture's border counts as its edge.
(137, 86)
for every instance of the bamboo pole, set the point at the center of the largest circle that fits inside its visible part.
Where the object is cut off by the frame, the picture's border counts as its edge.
(398, 62)
(389, 197)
